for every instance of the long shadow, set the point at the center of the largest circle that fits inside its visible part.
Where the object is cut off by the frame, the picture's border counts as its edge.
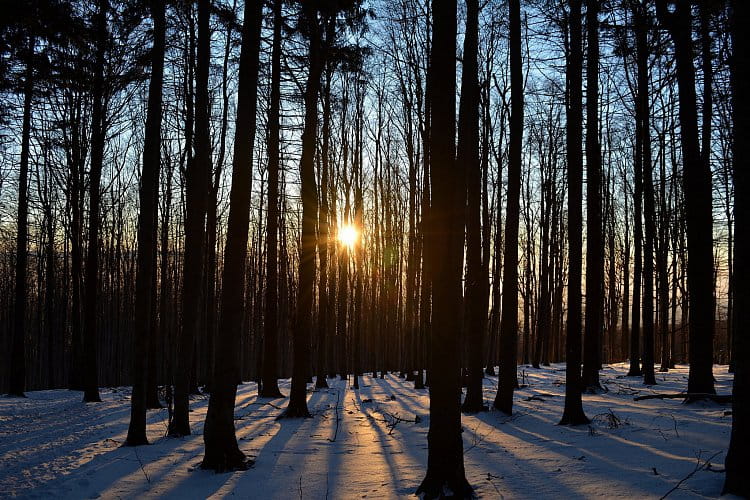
(641, 452)
(388, 454)
(415, 408)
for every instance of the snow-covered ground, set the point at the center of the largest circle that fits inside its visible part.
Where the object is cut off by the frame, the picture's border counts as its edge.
(368, 444)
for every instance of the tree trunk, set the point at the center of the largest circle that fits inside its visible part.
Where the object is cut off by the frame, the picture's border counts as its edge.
(738, 455)
(697, 187)
(18, 350)
(643, 129)
(445, 464)
(573, 413)
(468, 156)
(98, 138)
(146, 261)
(197, 180)
(271, 324)
(509, 322)
(594, 237)
(222, 452)
(301, 365)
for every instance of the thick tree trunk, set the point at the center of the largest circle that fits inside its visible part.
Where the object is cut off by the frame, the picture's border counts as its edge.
(509, 322)
(739, 446)
(573, 413)
(301, 365)
(445, 464)
(98, 138)
(468, 156)
(197, 180)
(146, 262)
(594, 319)
(697, 187)
(222, 452)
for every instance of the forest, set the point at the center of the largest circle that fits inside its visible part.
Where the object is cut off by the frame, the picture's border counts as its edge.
(374, 248)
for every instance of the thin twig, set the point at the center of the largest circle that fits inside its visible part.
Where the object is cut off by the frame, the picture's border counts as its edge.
(135, 450)
(336, 409)
(698, 467)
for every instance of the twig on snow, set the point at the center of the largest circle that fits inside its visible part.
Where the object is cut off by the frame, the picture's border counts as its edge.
(698, 466)
(135, 450)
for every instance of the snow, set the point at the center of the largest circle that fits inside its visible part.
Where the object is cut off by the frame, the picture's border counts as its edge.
(372, 443)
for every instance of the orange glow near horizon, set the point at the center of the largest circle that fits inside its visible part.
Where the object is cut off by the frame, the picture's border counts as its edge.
(348, 236)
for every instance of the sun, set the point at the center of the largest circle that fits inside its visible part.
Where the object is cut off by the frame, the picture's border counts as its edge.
(348, 236)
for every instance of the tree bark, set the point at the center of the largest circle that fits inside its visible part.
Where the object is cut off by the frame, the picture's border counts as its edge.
(197, 180)
(271, 321)
(146, 262)
(697, 188)
(468, 156)
(98, 138)
(222, 451)
(18, 349)
(445, 464)
(301, 365)
(509, 322)
(573, 413)
(594, 318)
(738, 455)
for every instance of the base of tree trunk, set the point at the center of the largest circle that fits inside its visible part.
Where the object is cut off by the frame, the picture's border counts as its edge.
(176, 430)
(410, 376)
(594, 389)
(295, 412)
(573, 417)
(634, 373)
(270, 392)
(91, 396)
(440, 487)
(230, 461)
(321, 383)
(136, 440)
(490, 370)
(473, 406)
(504, 406)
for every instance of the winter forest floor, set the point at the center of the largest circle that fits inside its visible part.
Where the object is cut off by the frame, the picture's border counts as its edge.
(366, 444)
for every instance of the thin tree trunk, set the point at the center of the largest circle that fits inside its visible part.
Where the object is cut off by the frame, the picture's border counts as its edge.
(468, 155)
(18, 350)
(271, 325)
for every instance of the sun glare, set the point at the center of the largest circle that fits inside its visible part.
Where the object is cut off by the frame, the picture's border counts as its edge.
(348, 236)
